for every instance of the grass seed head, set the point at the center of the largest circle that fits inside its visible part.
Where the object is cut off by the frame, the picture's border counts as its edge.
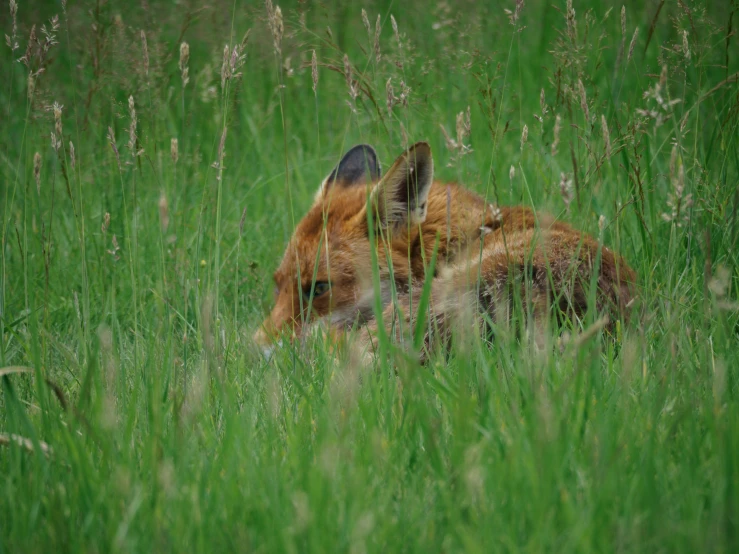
(314, 71)
(663, 79)
(12, 40)
(218, 164)
(163, 212)
(405, 93)
(145, 52)
(111, 141)
(623, 21)
(543, 102)
(57, 109)
(633, 43)
(460, 128)
(514, 15)
(606, 135)
(376, 44)
(32, 41)
(351, 85)
(686, 46)
(677, 201)
(583, 100)
(132, 126)
(225, 67)
(31, 82)
(565, 189)
(185, 63)
(395, 31)
(557, 129)
(174, 151)
(37, 171)
(347, 71)
(366, 23)
(451, 144)
(114, 251)
(524, 136)
(571, 22)
(276, 27)
(390, 95)
(57, 133)
(242, 221)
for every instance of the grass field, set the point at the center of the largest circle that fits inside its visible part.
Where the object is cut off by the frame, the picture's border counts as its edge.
(142, 219)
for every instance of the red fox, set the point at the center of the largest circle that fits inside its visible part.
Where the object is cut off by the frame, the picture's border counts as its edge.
(485, 257)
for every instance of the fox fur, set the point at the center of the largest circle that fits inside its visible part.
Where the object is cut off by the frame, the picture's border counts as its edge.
(485, 258)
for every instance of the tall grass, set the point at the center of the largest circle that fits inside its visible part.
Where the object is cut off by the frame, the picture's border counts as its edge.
(136, 415)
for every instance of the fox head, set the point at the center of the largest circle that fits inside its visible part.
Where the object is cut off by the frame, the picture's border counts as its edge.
(326, 271)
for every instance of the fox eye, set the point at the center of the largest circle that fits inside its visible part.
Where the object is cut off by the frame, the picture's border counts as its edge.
(320, 288)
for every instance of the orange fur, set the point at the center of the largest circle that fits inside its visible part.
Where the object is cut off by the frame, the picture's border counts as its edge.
(484, 254)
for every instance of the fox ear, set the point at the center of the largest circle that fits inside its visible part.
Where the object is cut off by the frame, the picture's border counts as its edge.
(402, 195)
(358, 166)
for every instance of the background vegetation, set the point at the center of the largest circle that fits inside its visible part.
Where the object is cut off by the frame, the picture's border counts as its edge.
(136, 415)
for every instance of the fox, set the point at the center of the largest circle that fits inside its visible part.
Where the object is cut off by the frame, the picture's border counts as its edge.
(374, 240)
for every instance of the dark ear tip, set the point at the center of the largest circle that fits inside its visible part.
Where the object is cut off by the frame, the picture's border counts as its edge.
(358, 165)
(362, 147)
(422, 147)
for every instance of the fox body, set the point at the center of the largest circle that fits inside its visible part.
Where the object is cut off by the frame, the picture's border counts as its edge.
(485, 257)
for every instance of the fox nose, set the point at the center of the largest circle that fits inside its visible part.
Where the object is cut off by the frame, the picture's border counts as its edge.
(266, 345)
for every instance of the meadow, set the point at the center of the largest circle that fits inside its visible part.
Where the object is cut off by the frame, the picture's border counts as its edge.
(154, 159)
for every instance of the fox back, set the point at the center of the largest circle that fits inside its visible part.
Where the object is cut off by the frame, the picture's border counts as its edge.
(485, 256)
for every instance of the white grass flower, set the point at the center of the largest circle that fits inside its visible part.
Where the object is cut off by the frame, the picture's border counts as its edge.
(111, 141)
(185, 63)
(543, 103)
(565, 189)
(391, 99)
(366, 23)
(686, 47)
(314, 71)
(395, 31)
(557, 129)
(274, 19)
(132, 127)
(163, 212)
(524, 136)
(350, 83)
